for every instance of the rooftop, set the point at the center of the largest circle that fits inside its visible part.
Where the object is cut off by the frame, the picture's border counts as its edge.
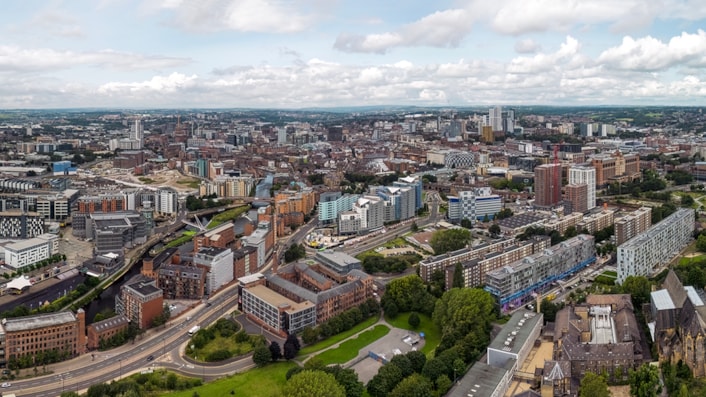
(515, 332)
(37, 321)
(481, 380)
(110, 323)
(277, 300)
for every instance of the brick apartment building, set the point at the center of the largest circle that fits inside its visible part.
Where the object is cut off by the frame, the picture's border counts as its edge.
(140, 301)
(63, 332)
(181, 281)
(104, 330)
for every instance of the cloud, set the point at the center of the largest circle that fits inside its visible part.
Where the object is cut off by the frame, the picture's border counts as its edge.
(561, 75)
(651, 54)
(527, 46)
(168, 84)
(22, 60)
(441, 29)
(449, 27)
(57, 23)
(266, 16)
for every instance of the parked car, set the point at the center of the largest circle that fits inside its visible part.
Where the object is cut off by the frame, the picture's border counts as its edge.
(5, 384)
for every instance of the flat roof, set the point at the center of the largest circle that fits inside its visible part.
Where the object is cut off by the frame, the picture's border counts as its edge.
(662, 300)
(277, 300)
(480, 381)
(522, 332)
(37, 321)
(693, 296)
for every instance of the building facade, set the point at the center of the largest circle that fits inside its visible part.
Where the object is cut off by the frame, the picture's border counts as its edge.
(585, 175)
(27, 252)
(657, 246)
(218, 263)
(547, 185)
(140, 301)
(517, 284)
(16, 224)
(62, 332)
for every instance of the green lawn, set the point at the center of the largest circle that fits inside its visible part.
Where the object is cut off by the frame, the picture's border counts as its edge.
(179, 241)
(686, 261)
(432, 333)
(226, 216)
(349, 349)
(610, 273)
(338, 337)
(258, 382)
(220, 343)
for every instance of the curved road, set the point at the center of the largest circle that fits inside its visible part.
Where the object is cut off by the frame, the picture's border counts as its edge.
(166, 344)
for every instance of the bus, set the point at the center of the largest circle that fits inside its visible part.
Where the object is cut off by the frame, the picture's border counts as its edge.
(194, 330)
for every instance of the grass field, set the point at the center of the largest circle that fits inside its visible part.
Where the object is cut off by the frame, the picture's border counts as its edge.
(190, 182)
(145, 180)
(338, 337)
(226, 216)
(349, 349)
(220, 343)
(610, 273)
(686, 261)
(258, 382)
(432, 333)
(183, 239)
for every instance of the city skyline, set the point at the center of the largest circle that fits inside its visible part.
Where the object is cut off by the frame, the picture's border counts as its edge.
(314, 53)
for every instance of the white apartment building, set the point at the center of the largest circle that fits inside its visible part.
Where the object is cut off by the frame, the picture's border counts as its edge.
(26, 252)
(657, 246)
(581, 174)
(166, 201)
(219, 262)
(333, 203)
(476, 204)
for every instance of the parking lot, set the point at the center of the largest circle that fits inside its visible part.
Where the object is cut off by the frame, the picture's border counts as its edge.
(387, 346)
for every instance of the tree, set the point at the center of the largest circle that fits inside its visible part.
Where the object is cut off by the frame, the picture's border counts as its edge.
(409, 293)
(639, 287)
(458, 279)
(434, 368)
(465, 222)
(701, 243)
(593, 385)
(261, 355)
(413, 320)
(548, 309)
(413, 227)
(417, 359)
(443, 384)
(347, 378)
(403, 363)
(413, 386)
(385, 380)
(275, 351)
(494, 229)
(644, 382)
(443, 241)
(291, 347)
(464, 315)
(310, 335)
(313, 384)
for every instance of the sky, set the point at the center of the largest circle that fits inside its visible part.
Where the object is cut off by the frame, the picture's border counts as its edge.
(332, 53)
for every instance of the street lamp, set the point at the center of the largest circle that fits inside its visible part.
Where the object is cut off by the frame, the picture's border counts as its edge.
(120, 375)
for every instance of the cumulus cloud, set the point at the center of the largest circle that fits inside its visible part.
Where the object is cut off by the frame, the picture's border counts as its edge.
(269, 16)
(16, 59)
(168, 84)
(527, 46)
(559, 75)
(441, 29)
(651, 54)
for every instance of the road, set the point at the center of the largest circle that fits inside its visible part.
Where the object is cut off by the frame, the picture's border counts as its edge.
(166, 344)
(131, 358)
